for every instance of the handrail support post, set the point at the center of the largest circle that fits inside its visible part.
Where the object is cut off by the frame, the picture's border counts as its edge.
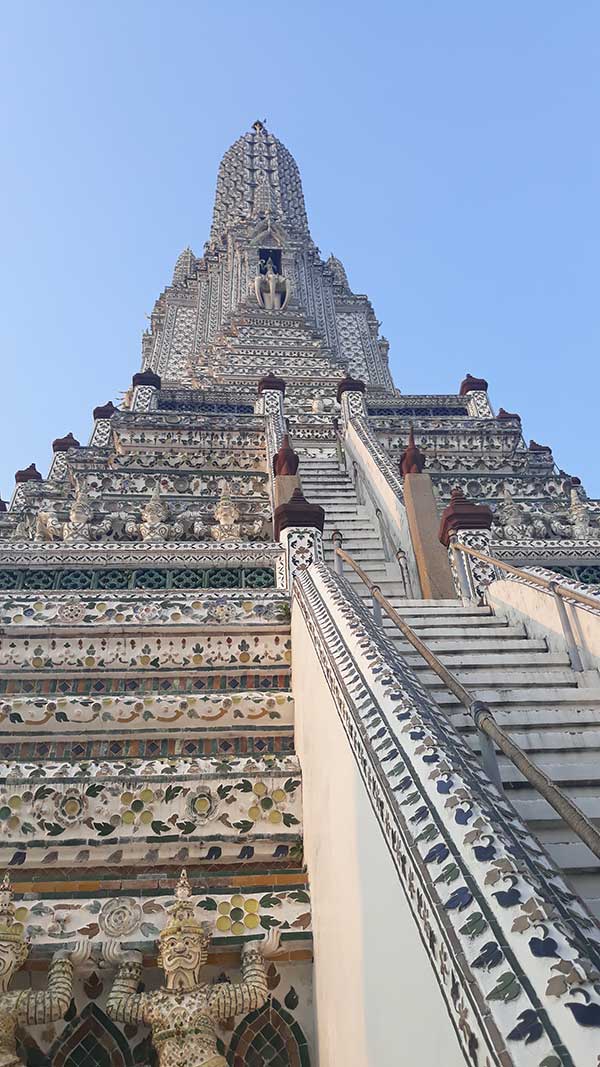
(338, 563)
(488, 752)
(463, 570)
(567, 628)
(377, 616)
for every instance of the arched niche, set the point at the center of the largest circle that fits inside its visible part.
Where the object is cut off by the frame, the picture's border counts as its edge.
(91, 1040)
(270, 1037)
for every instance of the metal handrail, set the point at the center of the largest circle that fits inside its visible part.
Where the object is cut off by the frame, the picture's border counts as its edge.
(551, 585)
(489, 731)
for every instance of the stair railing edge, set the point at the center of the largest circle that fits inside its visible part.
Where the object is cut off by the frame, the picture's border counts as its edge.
(455, 841)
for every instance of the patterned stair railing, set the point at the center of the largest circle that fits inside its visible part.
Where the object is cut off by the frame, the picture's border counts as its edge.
(380, 480)
(272, 401)
(515, 953)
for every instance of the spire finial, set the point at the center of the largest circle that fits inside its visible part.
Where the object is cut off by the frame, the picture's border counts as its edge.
(259, 126)
(183, 889)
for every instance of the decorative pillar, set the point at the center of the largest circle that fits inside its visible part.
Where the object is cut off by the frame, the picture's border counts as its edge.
(145, 385)
(474, 390)
(60, 447)
(432, 562)
(101, 433)
(299, 526)
(285, 471)
(271, 390)
(469, 524)
(27, 474)
(350, 396)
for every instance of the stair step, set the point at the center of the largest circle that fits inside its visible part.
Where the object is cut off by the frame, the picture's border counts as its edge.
(573, 695)
(444, 646)
(532, 720)
(482, 678)
(534, 809)
(442, 615)
(483, 660)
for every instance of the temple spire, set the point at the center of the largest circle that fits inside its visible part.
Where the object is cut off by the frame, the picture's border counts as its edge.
(258, 178)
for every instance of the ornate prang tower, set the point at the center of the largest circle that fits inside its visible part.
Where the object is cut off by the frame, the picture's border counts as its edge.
(331, 648)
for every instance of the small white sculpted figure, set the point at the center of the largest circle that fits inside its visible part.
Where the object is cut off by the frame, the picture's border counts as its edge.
(155, 524)
(48, 526)
(23, 1007)
(184, 1013)
(227, 514)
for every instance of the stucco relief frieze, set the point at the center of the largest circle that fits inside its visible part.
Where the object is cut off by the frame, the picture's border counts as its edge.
(145, 653)
(106, 608)
(139, 919)
(179, 713)
(189, 484)
(250, 460)
(53, 553)
(492, 487)
(134, 800)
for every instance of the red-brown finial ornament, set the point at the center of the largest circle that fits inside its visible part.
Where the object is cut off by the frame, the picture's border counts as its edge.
(146, 377)
(28, 474)
(349, 385)
(463, 514)
(297, 511)
(285, 461)
(63, 444)
(470, 384)
(412, 460)
(271, 382)
(105, 411)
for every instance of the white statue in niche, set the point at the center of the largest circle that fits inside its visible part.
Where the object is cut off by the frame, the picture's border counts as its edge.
(272, 289)
(185, 1012)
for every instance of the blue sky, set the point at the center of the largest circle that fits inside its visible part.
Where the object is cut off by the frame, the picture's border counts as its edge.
(449, 153)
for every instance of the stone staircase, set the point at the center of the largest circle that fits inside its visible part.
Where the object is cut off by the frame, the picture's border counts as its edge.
(550, 710)
(325, 483)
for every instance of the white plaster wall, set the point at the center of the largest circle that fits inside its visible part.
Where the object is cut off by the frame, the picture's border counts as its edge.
(376, 997)
(538, 611)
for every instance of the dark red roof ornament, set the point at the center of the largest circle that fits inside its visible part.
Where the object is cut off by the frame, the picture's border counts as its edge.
(534, 447)
(285, 461)
(146, 377)
(28, 474)
(412, 460)
(63, 444)
(502, 414)
(349, 385)
(298, 512)
(271, 382)
(470, 384)
(105, 411)
(463, 514)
